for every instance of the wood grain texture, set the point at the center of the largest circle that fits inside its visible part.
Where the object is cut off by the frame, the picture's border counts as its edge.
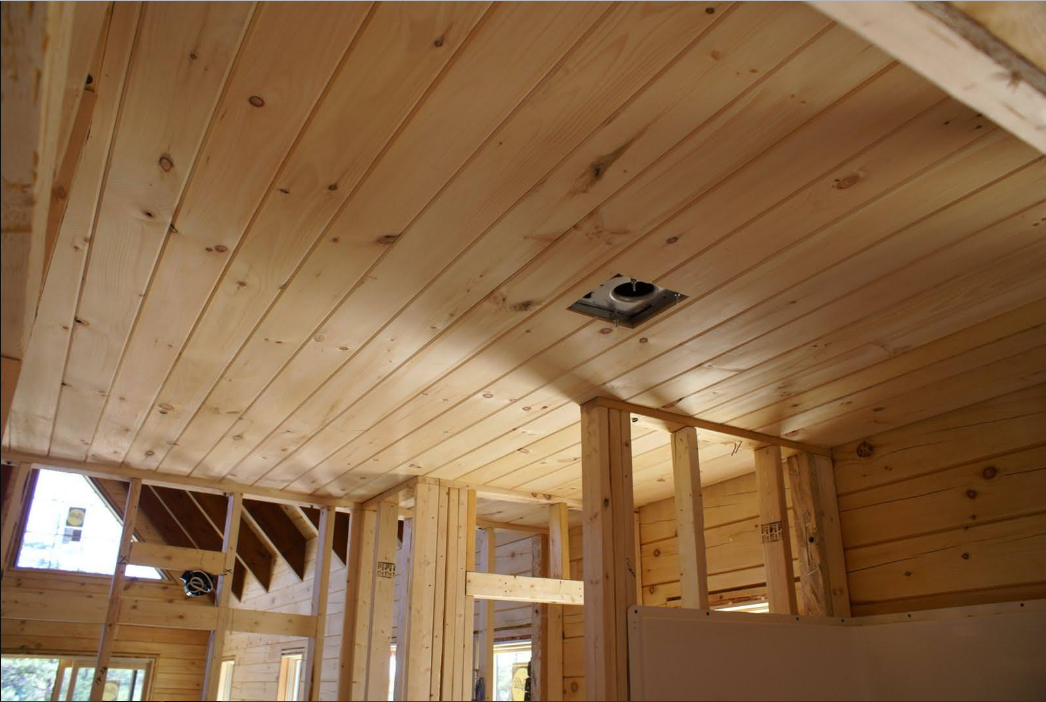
(382, 212)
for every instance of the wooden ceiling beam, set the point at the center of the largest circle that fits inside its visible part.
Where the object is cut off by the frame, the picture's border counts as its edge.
(672, 422)
(341, 530)
(204, 535)
(281, 532)
(972, 63)
(179, 482)
(46, 51)
(250, 547)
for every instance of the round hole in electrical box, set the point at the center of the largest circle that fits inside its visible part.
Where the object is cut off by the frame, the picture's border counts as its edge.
(633, 291)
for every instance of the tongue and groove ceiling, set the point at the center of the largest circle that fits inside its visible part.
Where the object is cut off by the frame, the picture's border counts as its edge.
(329, 247)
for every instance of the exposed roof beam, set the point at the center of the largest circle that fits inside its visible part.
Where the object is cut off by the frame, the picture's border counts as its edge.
(181, 482)
(281, 531)
(963, 57)
(203, 533)
(250, 547)
(341, 530)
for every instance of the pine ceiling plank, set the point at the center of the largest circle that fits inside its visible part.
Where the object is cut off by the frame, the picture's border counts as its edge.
(925, 215)
(798, 217)
(982, 379)
(36, 400)
(417, 290)
(1006, 193)
(958, 239)
(661, 116)
(511, 53)
(712, 216)
(824, 401)
(183, 53)
(399, 53)
(283, 67)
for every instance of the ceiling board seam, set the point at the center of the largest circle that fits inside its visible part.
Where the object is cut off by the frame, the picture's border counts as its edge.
(908, 226)
(391, 139)
(692, 201)
(363, 278)
(751, 88)
(631, 98)
(247, 228)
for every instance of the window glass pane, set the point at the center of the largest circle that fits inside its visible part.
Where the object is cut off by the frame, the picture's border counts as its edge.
(120, 684)
(23, 678)
(71, 528)
(510, 671)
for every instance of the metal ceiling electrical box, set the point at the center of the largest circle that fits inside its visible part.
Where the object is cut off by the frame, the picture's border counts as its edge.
(626, 301)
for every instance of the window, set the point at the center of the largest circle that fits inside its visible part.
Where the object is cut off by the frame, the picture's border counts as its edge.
(70, 527)
(62, 678)
(290, 676)
(511, 661)
(225, 679)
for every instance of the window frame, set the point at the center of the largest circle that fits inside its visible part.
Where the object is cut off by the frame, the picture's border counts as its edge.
(283, 682)
(225, 678)
(23, 522)
(73, 660)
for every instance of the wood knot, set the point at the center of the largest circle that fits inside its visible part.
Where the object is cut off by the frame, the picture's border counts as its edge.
(847, 181)
(864, 449)
(387, 239)
(672, 240)
(488, 395)
(221, 248)
(709, 10)
(437, 42)
(971, 493)
(256, 101)
(990, 472)
(606, 330)
(524, 306)
(166, 406)
(966, 556)
(150, 452)
(643, 340)
(332, 186)
(166, 164)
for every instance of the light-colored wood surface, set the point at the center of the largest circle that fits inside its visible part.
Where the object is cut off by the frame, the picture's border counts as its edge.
(822, 565)
(942, 513)
(312, 664)
(368, 222)
(110, 627)
(775, 530)
(223, 595)
(175, 558)
(518, 588)
(690, 519)
(29, 597)
(973, 62)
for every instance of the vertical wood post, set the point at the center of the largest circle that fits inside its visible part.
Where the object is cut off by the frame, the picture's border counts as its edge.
(470, 602)
(638, 544)
(13, 505)
(321, 584)
(822, 568)
(558, 567)
(112, 616)
(382, 606)
(422, 590)
(403, 595)
(439, 599)
(774, 532)
(485, 639)
(359, 594)
(216, 645)
(690, 519)
(609, 551)
(540, 639)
